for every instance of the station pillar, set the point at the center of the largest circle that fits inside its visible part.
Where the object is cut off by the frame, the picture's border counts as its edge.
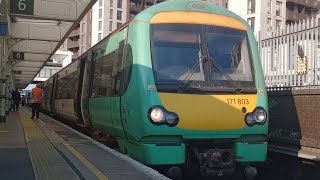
(3, 64)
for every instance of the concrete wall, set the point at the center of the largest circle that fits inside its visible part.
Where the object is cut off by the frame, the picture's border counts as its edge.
(295, 117)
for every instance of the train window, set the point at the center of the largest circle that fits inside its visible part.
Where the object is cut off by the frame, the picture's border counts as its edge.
(64, 89)
(102, 77)
(127, 68)
(117, 70)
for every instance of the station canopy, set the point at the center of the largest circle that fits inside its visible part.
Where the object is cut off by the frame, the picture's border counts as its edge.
(37, 28)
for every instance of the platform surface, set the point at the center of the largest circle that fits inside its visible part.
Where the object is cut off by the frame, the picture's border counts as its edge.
(47, 149)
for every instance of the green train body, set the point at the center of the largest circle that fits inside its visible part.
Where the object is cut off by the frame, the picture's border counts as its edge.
(157, 119)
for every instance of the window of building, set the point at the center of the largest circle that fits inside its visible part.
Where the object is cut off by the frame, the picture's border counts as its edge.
(99, 36)
(269, 7)
(251, 6)
(100, 26)
(42, 73)
(102, 81)
(251, 22)
(110, 26)
(100, 3)
(100, 13)
(111, 3)
(278, 24)
(119, 15)
(111, 13)
(83, 28)
(269, 24)
(119, 3)
(279, 8)
(119, 24)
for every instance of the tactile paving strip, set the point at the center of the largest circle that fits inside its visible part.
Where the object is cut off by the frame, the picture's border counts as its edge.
(46, 161)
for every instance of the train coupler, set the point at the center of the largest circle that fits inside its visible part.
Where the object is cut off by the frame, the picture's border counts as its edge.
(216, 162)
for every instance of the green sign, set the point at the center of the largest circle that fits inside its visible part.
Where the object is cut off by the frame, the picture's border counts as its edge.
(21, 7)
(18, 55)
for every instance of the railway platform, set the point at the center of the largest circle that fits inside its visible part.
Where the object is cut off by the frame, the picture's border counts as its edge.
(47, 149)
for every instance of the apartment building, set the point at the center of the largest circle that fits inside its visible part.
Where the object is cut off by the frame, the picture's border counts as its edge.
(138, 6)
(222, 3)
(79, 40)
(297, 10)
(107, 16)
(260, 14)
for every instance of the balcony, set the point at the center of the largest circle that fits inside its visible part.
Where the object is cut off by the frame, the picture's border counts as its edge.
(75, 32)
(72, 44)
(295, 16)
(135, 9)
(308, 3)
(150, 2)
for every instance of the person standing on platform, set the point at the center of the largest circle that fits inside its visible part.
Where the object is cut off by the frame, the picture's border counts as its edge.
(23, 100)
(15, 95)
(36, 96)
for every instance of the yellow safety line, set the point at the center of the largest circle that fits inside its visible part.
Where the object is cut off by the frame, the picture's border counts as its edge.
(90, 166)
(40, 148)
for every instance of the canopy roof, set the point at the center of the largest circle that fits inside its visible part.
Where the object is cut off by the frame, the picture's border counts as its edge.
(37, 28)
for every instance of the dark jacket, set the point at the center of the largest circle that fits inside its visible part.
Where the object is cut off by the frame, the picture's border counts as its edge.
(15, 96)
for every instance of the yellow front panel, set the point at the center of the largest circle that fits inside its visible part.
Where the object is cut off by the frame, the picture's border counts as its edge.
(209, 112)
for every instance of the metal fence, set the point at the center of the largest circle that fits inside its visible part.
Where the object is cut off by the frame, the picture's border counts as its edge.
(290, 55)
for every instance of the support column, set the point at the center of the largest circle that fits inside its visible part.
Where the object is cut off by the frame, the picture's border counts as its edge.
(2, 81)
(8, 94)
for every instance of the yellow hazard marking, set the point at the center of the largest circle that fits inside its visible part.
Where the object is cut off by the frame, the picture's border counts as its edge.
(47, 163)
(87, 163)
(33, 132)
(220, 174)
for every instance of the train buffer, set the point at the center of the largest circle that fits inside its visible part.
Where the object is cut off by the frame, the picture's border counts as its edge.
(47, 149)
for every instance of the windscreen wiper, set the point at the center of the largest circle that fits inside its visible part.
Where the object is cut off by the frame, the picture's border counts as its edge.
(186, 80)
(212, 63)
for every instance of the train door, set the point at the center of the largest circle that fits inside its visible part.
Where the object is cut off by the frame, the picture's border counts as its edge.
(78, 90)
(116, 82)
(85, 89)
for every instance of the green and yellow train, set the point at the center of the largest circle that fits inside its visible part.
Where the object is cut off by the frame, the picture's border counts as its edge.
(179, 85)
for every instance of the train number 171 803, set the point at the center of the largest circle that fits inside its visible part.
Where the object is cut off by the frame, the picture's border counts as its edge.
(238, 101)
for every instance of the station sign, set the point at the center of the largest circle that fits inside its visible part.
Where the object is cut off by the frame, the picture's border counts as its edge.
(18, 55)
(25, 7)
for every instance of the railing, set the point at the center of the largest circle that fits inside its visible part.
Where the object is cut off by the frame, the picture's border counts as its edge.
(290, 56)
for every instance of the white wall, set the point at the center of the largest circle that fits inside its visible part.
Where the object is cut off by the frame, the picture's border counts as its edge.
(95, 20)
(106, 18)
(240, 7)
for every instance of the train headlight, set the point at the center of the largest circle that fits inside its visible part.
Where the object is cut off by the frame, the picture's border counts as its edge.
(250, 120)
(258, 116)
(158, 115)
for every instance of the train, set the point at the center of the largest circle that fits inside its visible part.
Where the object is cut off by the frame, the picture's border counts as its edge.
(179, 86)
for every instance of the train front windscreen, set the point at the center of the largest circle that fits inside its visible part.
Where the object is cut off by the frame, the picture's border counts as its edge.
(194, 57)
